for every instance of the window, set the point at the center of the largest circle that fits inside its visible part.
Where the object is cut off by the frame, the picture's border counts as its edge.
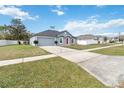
(61, 40)
(72, 40)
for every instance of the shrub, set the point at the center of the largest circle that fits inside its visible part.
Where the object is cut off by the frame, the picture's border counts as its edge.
(111, 41)
(19, 42)
(35, 42)
(56, 42)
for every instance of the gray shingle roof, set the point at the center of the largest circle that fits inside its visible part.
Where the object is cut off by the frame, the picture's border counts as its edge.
(85, 37)
(52, 33)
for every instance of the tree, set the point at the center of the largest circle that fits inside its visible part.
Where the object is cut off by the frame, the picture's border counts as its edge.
(105, 39)
(2, 32)
(18, 30)
(2, 28)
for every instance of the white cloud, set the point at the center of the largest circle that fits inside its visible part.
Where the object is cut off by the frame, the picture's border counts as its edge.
(111, 34)
(16, 12)
(37, 16)
(92, 25)
(100, 6)
(59, 6)
(94, 16)
(58, 10)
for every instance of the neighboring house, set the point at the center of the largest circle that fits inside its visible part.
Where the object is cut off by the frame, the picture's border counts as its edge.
(100, 39)
(49, 37)
(121, 38)
(111, 40)
(105, 39)
(87, 39)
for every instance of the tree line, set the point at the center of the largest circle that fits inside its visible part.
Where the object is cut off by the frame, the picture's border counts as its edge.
(15, 31)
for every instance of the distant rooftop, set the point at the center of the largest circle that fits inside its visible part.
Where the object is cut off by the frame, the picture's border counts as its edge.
(85, 37)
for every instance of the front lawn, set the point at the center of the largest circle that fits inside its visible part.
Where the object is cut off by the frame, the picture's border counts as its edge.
(20, 51)
(112, 51)
(82, 47)
(52, 72)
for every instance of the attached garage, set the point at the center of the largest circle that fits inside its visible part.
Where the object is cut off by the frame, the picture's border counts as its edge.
(43, 41)
(86, 42)
(46, 41)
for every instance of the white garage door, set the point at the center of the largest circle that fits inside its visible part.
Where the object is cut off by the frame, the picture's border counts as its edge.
(87, 42)
(46, 41)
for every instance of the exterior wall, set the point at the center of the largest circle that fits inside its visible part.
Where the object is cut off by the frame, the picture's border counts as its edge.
(87, 42)
(32, 40)
(101, 40)
(60, 43)
(8, 42)
(75, 41)
(64, 40)
(66, 35)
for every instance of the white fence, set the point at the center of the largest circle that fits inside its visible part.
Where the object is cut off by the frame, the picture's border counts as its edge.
(8, 42)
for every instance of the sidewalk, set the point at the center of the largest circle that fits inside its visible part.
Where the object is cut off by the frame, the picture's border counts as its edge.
(88, 50)
(23, 60)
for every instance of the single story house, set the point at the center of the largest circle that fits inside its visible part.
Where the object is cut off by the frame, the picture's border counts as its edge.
(52, 38)
(103, 39)
(87, 39)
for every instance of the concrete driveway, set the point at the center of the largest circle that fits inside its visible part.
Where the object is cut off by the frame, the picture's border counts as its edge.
(70, 54)
(107, 69)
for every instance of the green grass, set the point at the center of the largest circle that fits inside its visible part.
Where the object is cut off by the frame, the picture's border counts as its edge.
(82, 47)
(52, 72)
(20, 51)
(111, 51)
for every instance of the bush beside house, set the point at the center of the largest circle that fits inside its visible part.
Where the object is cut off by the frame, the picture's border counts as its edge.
(36, 42)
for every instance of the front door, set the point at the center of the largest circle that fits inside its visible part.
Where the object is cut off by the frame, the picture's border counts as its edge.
(67, 40)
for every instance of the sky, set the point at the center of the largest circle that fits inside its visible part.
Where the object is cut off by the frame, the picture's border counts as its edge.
(77, 19)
